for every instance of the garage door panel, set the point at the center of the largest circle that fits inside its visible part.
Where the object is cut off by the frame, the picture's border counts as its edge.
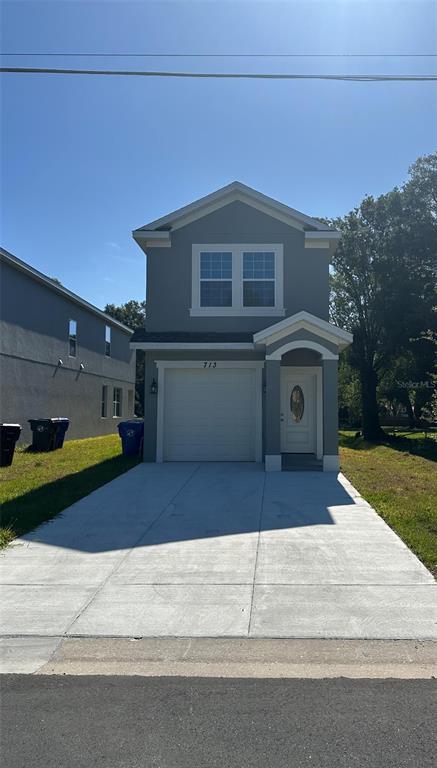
(209, 415)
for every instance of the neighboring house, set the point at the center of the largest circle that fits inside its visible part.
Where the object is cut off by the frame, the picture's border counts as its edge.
(60, 356)
(241, 361)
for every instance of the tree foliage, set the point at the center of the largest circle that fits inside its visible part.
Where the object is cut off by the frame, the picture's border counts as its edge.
(132, 314)
(383, 287)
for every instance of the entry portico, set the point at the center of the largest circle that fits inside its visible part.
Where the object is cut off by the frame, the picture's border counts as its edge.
(301, 392)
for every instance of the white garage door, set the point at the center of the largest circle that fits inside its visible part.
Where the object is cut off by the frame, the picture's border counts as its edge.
(209, 414)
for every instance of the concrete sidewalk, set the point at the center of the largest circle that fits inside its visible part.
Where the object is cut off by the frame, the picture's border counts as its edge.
(217, 550)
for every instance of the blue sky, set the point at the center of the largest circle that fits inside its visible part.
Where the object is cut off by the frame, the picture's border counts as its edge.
(87, 159)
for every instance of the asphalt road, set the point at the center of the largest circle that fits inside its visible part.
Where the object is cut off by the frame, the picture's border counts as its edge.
(125, 722)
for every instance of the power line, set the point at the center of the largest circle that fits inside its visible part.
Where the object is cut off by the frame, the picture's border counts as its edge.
(221, 75)
(236, 55)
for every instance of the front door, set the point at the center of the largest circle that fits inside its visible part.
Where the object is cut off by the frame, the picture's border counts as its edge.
(298, 422)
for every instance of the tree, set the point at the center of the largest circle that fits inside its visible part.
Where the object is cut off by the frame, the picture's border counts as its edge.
(349, 393)
(133, 314)
(383, 281)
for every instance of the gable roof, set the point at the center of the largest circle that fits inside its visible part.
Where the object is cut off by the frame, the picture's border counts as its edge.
(221, 197)
(307, 321)
(22, 266)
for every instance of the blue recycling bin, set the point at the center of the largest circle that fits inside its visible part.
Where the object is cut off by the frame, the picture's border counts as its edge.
(61, 425)
(132, 435)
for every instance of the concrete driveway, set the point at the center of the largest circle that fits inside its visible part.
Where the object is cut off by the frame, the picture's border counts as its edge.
(213, 550)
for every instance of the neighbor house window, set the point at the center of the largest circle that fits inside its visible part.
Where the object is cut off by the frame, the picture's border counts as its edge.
(215, 279)
(116, 403)
(107, 341)
(130, 402)
(72, 338)
(237, 280)
(258, 279)
(104, 405)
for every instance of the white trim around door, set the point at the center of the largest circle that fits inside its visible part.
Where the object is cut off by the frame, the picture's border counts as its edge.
(210, 365)
(316, 371)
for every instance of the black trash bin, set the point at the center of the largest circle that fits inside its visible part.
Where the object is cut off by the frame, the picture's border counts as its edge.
(9, 434)
(132, 434)
(61, 425)
(43, 434)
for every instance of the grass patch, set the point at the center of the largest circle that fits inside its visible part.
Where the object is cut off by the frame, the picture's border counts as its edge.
(399, 479)
(40, 485)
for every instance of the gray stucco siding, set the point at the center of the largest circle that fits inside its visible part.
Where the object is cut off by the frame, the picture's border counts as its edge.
(272, 408)
(34, 337)
(301, 357)
(34, 325)
(302, 335)
(39, 391)
(330, 407)
(169, 271)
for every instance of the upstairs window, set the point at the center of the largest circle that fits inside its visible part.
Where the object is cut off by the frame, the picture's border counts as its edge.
(215, 279)
(258, 279)
(237, 280)
(108, 341)
(72, 338)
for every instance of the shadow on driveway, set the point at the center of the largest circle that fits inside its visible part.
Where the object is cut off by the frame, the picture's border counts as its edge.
(155, 504)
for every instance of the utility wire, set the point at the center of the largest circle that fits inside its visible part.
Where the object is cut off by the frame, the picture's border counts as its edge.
(221, 75)
(238, 55)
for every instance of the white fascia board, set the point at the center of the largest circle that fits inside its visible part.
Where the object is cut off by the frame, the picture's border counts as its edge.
(213, 346)
(154, 239)
(234, 191)
(325, 234)
(321, 333)
(322, 239)
(305, 320)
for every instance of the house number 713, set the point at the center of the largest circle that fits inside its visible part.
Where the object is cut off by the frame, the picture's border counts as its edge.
(210, 364)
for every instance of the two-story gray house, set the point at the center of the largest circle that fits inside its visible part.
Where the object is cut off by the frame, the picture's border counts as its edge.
(60, 356)
(241, 359)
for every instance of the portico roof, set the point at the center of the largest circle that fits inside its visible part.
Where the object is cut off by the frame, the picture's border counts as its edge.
(304, 320)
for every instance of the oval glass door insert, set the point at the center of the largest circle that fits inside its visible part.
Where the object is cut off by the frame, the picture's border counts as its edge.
(297, 403)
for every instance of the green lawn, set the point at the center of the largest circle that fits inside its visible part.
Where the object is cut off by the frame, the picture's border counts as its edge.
(40, 485)
(399, 479)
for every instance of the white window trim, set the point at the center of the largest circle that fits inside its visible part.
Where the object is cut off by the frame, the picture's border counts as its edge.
(162, 365)
(108, 328)
(72, 336)
(120, 403)
(237, 309)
